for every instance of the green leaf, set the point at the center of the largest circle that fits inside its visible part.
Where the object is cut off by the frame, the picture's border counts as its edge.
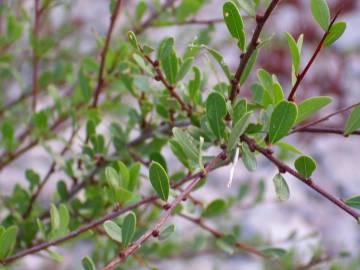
(88, 263)
(311, 105)
(320, 11)
(128, 228)
(274, 252)
(336, 31)
(248, 158)
(64, 218)
(54, 217)
(170, 66)
(294, 50)
(248, 68)
(234, 23)
(220, 59)
(112, 177)
(215, 112)
(282, 120)
(159, 180)
(133, 40)
(225, 246)
(113, 230)
(281, 188)
(184, 68)
(239, 110)
(167, 232)
(353, 122)
(215, 208)
(238, 130)
(353, 201)
(247, 6)
(187, 143)
(165, 48)
(8, 241)
(179, 152)
(134, 174)
(305, 166)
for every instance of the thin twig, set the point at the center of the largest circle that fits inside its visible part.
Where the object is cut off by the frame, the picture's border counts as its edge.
(309, 182)
(260, 20)
(100, 81)
(155, 230)
(35, 57)
(325, 130)
(301, 76)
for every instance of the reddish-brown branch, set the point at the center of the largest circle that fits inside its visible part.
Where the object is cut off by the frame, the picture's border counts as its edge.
(325, 118)
(325, 130)
(309, 182)
(155, 230)
(160, 77)
(35, 57)
(260, 20)
(301, 76)
(240, 245)
(44, 245)
(100, 81)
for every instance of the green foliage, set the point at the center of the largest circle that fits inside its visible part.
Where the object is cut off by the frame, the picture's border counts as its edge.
(128, 229)
(311, 105)
(159, 180)
(353, 121)
(305, 165)
(215, 112)
(281, 188)
(321, 13)
(234, 23)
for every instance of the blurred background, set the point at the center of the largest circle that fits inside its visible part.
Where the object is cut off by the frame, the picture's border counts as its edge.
(306, 222)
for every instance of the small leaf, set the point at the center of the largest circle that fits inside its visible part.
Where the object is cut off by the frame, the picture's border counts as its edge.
(54, 217)
(215, 208)
(248, 158)
(159, 180)
(336, 31)
(170, 66)
(294, 50)
(179, 153)
(167, 232)
(309, 106)
(112, 177)
(248, 67)
(234, 23)
(281, 188)
(215, 112)
(282, 120)
(238, 130)
(321, 13)
(353, 122)
(305, 165)
(219, 58)
(113, 230)
(239, 110)
(88, 263)
(274, 252)
(133, 40)
(353, 201)
(225, 246)
(187, 143)
(184, 68)
(128, 229)
(8, 241)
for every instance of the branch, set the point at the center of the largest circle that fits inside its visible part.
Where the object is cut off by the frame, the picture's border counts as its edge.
(283, 168)
(155, 231)
(35, 58)
(327, 117)
(150, 199)
(325, 130)
(100, 82)
(160, 77)
(240, 245)
(301, 76)
(260, 21)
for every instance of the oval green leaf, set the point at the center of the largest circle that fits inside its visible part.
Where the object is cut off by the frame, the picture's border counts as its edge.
(167, 232)
(305, 166)
(320, 11)
(216, 207)
(88, 263)
(311, 105)
(353, 201)
(281, 188)
(282, 120)
(113, 230)
(234, 23)
(215, 112)
(353, 122)
(248, 158)
(8, 241)
(159, 180)
(336, 31)
(295, 52)
(128, 229)
(187, 143)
